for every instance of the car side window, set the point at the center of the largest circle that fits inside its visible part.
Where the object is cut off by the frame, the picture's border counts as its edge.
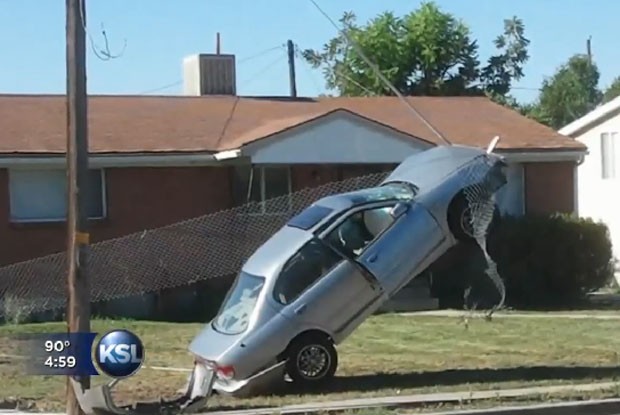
(360, 229)
(303, 269)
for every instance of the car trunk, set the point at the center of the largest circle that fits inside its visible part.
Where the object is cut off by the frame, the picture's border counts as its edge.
(210, 344)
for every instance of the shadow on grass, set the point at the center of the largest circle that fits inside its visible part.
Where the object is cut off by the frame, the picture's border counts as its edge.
(368, 383)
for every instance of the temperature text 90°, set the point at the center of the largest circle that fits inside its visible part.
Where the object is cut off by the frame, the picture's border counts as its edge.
(57, 345)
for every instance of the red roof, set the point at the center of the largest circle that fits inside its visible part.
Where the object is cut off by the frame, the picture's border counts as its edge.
(142, 124)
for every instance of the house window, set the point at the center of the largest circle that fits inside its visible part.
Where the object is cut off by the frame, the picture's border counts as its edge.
(268, 187)
(608, 155)
(40, 195)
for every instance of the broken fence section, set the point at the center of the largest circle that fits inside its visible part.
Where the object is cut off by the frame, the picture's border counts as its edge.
(176, 255)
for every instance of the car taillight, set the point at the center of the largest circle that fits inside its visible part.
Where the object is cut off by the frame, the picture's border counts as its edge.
(226, 372)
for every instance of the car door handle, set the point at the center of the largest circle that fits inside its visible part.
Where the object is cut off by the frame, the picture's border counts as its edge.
(300, 309)
(372, 258)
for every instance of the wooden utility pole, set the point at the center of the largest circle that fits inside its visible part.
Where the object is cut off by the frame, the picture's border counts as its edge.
(291, 67)
(78, 301)
(589, 49)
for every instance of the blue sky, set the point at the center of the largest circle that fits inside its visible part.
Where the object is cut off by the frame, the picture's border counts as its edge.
(159, 33)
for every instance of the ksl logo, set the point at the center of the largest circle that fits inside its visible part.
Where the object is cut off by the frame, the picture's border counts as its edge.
(119, 354)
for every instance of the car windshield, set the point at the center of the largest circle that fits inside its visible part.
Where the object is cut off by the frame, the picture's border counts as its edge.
(392, 191)
(309, 217)
(234, 315)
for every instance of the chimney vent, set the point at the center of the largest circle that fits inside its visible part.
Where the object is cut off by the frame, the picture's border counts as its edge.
(209, 74)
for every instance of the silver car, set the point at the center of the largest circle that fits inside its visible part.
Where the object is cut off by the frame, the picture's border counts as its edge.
(333, 265)
(330, 267)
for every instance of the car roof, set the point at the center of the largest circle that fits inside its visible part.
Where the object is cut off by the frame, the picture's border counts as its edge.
(272, 254)
(286, 241)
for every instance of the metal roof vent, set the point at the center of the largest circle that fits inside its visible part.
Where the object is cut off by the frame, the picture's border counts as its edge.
(210, 74)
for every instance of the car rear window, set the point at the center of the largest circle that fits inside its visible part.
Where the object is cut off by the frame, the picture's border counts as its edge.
(309, 217)
(238, 306)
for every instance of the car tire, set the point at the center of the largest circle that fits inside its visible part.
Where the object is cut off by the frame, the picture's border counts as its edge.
(460, 218)
(311, 360)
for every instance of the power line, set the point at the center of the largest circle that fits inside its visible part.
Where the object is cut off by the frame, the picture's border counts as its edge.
(525, 88)
(337, 73)
(308, 72)
(262, 53)
(354, 82)
(161, 88)
(265, 68)
(381, 76)
(102, 54)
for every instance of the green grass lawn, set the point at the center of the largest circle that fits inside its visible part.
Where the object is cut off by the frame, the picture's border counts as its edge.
(388, 354)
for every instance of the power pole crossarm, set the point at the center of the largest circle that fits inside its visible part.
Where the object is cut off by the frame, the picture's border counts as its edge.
(78, 287)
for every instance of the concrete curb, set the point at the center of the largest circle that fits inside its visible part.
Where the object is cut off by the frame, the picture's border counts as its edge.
(599, 407)
(416, 400)
(499, 314)
(609, 406)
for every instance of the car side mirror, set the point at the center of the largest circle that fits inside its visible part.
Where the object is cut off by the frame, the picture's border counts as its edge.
(399, 209)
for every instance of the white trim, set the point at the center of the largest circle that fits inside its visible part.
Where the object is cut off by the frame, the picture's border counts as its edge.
(97, 161)
(543, 156)
(228, 154)
(110, 161)
(532, 157)
(592, 117)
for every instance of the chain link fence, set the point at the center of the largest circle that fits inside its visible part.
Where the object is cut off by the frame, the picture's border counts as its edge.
(177, 255)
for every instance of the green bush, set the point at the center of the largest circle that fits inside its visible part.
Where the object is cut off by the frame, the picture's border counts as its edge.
(545, 262)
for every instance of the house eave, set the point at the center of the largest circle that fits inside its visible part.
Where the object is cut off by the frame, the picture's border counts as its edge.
(117, 160)
(519, 156)
(543, 156)
(215, 159)
(594, 117)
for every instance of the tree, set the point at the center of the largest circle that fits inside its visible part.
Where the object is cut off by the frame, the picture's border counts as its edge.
(612, 90)
(507, 66)
(569, 94)
(426, 52)
(530, 110)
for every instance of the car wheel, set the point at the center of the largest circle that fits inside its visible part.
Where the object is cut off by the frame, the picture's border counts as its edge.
(312, 359)
(460, 218)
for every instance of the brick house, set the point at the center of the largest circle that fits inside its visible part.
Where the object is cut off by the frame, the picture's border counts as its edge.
(158, 160)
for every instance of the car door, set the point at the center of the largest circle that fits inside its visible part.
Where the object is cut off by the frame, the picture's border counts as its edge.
(404, 247)
(325, 298)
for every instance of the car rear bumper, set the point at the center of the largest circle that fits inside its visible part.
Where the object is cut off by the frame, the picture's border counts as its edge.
(263, 381)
